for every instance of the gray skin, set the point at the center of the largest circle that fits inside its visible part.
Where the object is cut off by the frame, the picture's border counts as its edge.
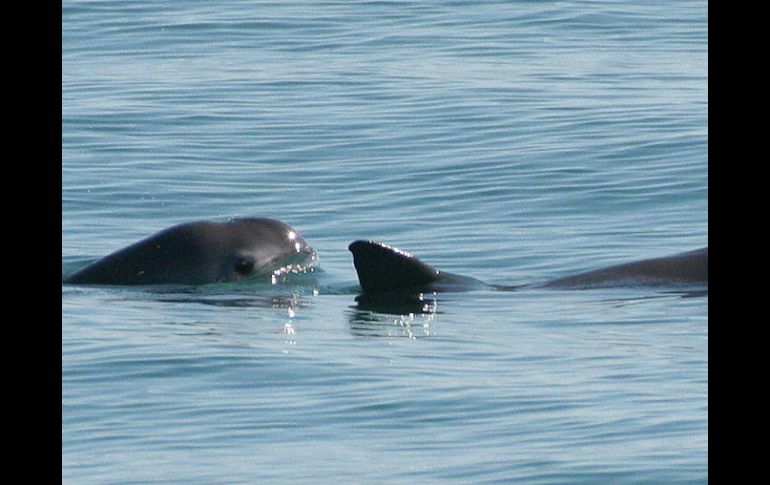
(202, 252)
(384, 269)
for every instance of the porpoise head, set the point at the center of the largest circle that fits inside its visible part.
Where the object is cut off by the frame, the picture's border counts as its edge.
(257, 246)
(202, 252)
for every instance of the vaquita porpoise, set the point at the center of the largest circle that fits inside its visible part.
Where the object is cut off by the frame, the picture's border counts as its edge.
(203, 252)
(383, 268)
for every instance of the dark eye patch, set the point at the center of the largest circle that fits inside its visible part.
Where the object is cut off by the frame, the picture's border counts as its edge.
(244, 265)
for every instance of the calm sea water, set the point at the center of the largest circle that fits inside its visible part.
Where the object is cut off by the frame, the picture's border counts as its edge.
(510, 141)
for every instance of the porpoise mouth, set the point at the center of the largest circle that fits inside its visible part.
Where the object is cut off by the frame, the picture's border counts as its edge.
(301, 262)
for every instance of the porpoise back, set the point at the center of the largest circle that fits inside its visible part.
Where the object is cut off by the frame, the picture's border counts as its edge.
(684, 268)
(383, 268)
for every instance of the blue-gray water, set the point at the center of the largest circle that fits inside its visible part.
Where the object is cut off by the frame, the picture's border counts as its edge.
(510, 141)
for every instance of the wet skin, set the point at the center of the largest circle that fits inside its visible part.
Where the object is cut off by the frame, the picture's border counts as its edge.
(382, 268)
(202, 252)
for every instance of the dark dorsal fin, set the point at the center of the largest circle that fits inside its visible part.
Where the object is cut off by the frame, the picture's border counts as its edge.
(383, 268)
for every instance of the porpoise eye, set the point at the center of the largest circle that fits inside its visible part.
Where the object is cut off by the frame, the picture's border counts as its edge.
(244, 266)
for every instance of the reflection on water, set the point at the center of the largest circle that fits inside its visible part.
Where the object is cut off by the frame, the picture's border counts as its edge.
(692, 293)
(396, 303)
(393, 315)
(289, 301)
(673, 293)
